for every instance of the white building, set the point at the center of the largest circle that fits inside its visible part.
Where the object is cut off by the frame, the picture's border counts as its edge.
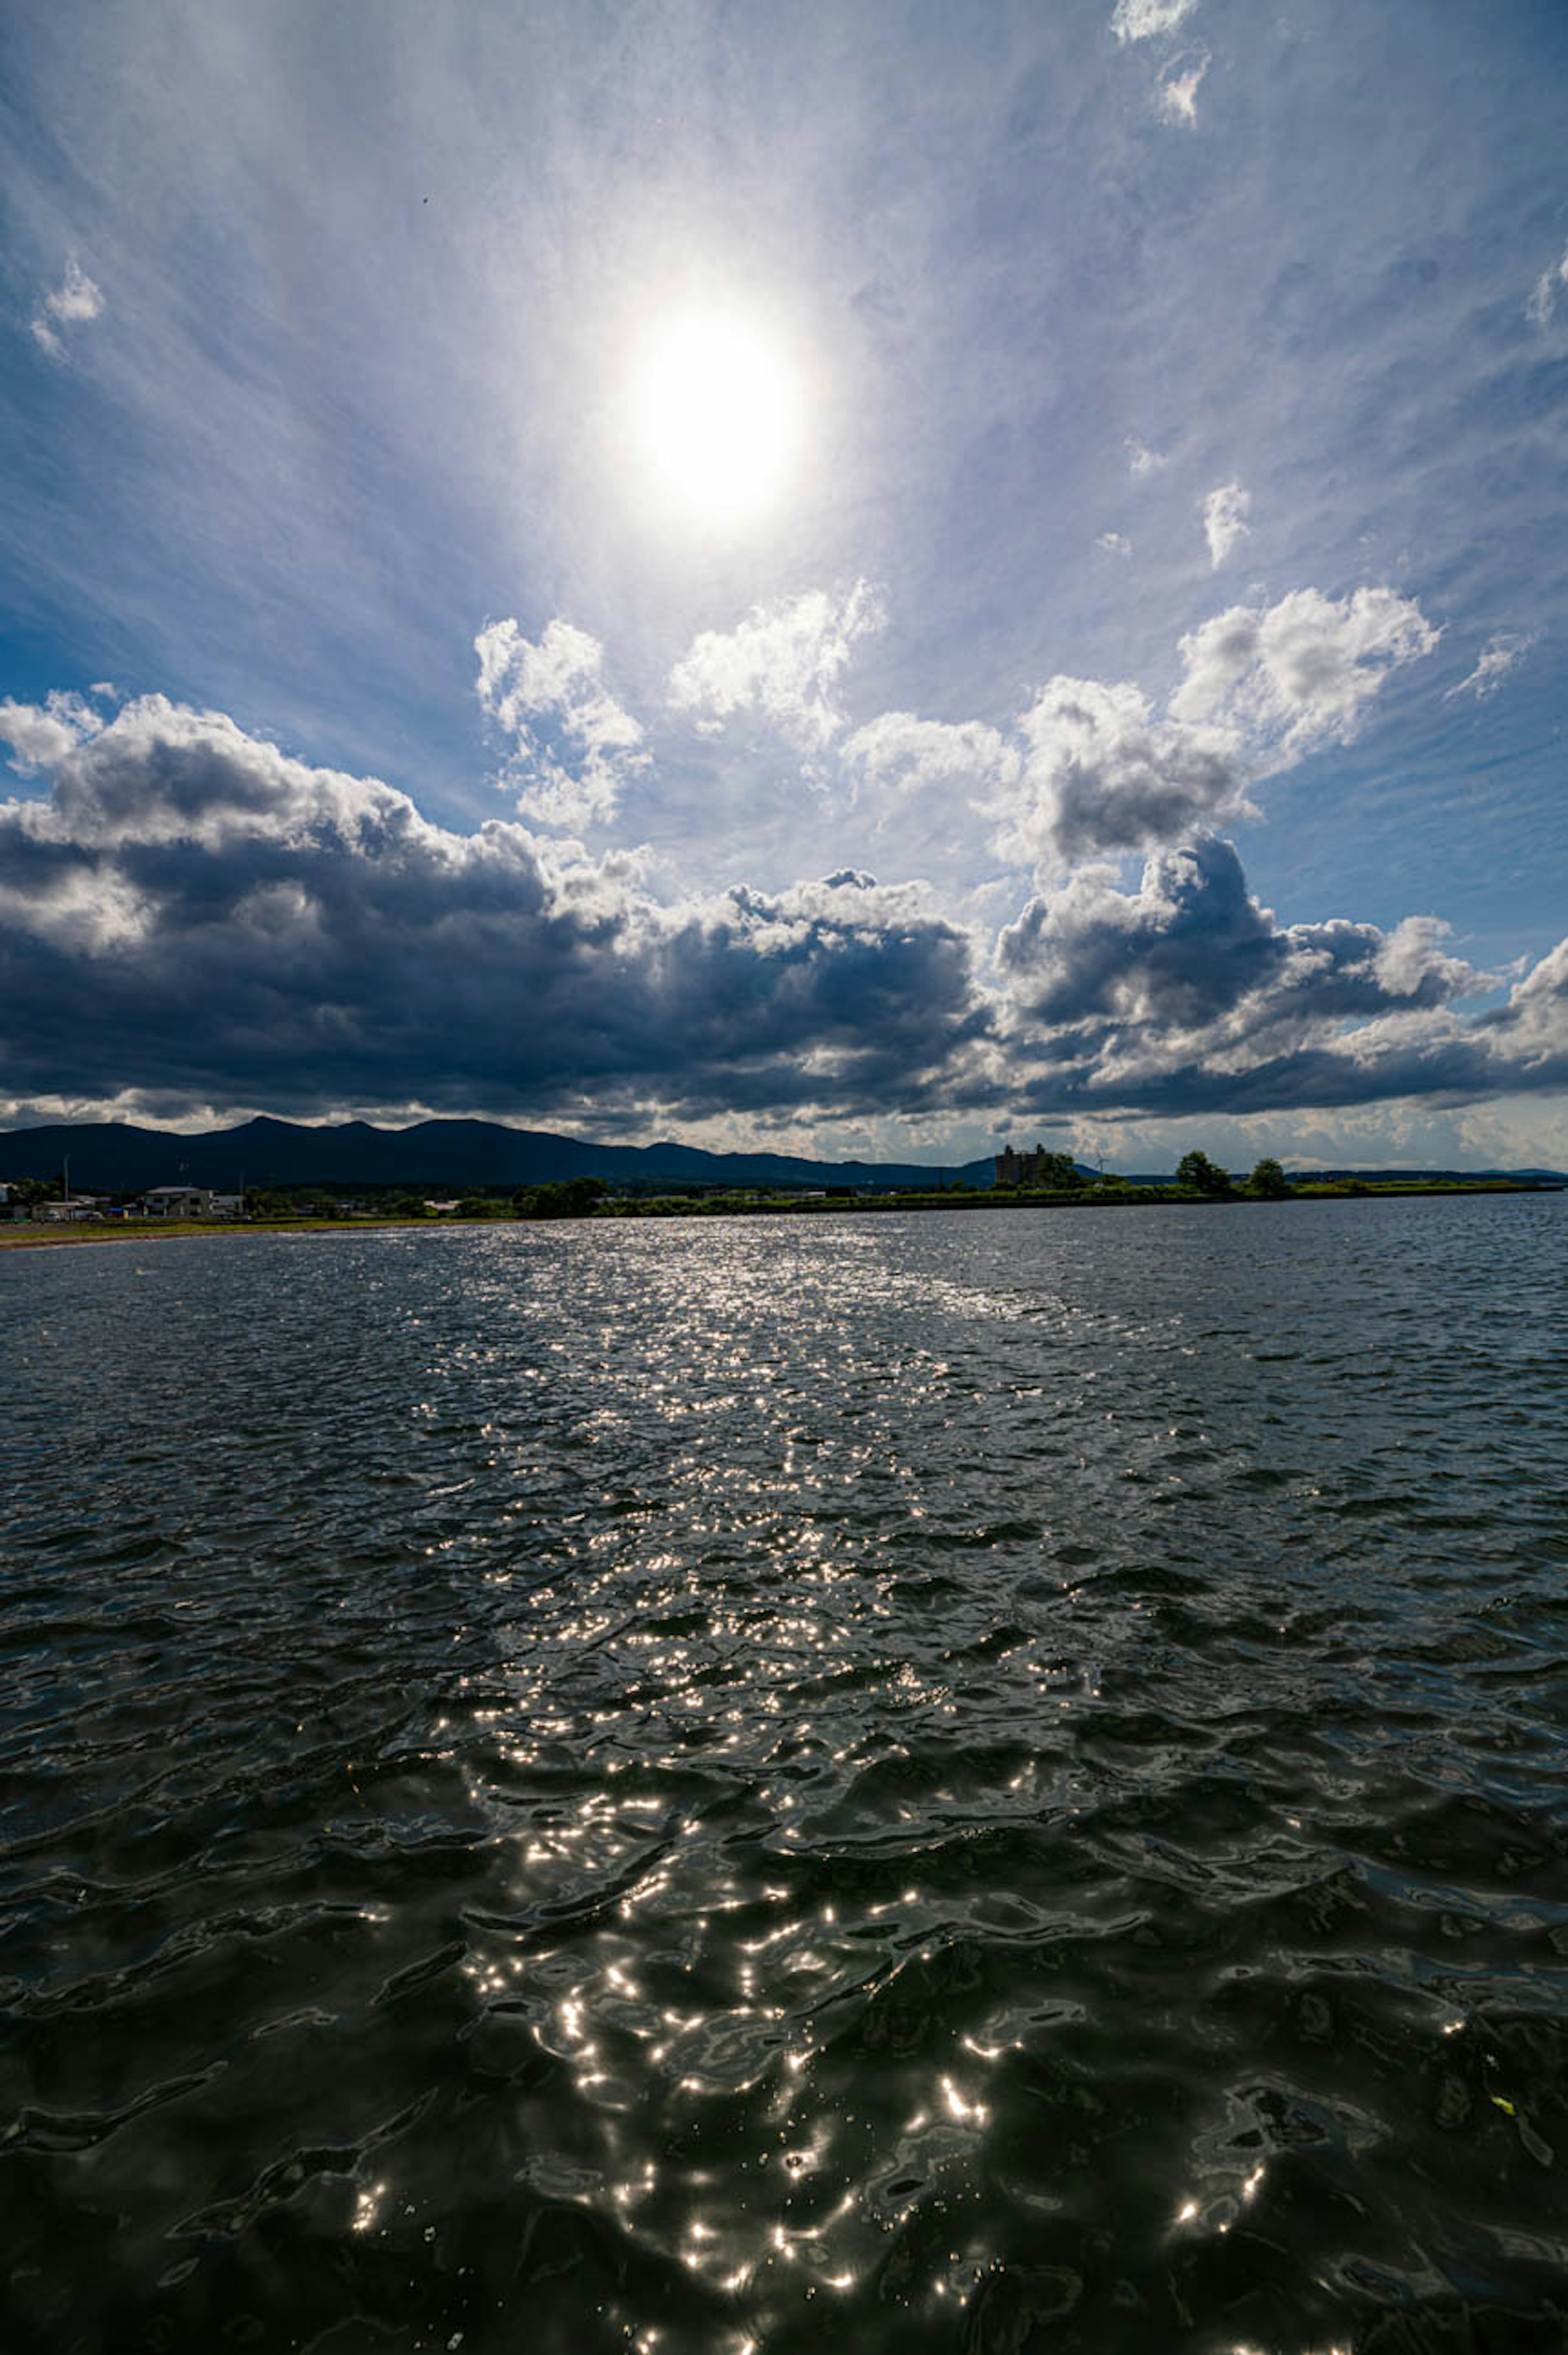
(178, 1202)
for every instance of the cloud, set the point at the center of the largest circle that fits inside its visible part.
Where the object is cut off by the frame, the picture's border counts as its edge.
(1176, 100)
(196, 918)
(1301, 673)
(896, 753)
(194, 912)
(783, 663)
(1541, 307)
(1186, 995)
(1501, 654)
(1142, 20)
(39, 735)
(1225, 523)
(74, 300)
(1142, 461)
(1102, 771)
(1114, 543)
(1093, 766)
(576, 747)
(1176, 91)
(1190, 949)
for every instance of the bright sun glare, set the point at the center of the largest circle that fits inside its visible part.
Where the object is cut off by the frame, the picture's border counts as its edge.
(718, 410)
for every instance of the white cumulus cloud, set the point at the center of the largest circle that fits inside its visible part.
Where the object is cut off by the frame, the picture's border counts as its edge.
(575, 746)
(75, 299)
(1141, 460)
(1103, 771)
(40, 735)
(1141, 20)
(1101, 768)
(1300, 673)
(783, 663)
(1225, 524)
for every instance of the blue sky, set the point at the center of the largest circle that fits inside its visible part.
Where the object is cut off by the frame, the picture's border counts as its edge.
(1094, 673)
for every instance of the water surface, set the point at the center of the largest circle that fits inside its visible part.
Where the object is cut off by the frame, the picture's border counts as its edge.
(986, 1782)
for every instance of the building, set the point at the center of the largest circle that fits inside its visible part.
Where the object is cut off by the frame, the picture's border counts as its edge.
(1023, 1169)
(178, 1202)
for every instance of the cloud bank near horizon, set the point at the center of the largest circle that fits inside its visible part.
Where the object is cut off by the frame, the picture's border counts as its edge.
(243, 928)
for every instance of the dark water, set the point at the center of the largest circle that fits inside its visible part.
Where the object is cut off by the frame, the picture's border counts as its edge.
(950, 1783)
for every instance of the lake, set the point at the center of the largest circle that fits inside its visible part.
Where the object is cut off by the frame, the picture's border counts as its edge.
(986, 1782)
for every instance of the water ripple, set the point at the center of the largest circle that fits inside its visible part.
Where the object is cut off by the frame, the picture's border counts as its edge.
(987, 1785)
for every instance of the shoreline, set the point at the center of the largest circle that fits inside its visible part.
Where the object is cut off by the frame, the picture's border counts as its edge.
(24, 1235)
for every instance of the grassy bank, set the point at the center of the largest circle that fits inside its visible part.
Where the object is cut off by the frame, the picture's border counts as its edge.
(29, 1236)
(1083, 1198)
(26, 1235)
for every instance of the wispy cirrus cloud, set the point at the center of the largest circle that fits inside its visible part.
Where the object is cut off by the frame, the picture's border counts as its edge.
(1225, 524)
(1176, 98)
(1547, 293)
(1502, 653)
(74, 301)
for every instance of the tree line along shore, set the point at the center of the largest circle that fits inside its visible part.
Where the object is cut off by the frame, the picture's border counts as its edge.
(1198, 1179)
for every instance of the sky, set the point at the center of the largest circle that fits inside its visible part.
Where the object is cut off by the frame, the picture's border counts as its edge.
(870, 579)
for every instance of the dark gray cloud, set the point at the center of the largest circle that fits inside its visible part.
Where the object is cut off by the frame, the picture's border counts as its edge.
(193, 917)
(1191, 948)
(1186, 995)
(192, 911)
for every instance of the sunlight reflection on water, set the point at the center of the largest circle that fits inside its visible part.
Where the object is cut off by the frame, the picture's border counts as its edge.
(980, 1778)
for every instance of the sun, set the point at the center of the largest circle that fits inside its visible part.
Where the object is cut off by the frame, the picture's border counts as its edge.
(717, 409)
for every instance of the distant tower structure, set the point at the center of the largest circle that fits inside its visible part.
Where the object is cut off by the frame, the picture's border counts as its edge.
(1020, 1168)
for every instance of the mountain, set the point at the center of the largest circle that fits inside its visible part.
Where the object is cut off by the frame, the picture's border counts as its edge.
(113, 1158)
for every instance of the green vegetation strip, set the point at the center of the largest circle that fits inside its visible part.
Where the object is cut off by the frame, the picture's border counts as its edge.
(1106, 1194)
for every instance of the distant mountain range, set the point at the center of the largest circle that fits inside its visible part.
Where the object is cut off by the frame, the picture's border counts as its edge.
(113, 1158)
(109, 1156)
